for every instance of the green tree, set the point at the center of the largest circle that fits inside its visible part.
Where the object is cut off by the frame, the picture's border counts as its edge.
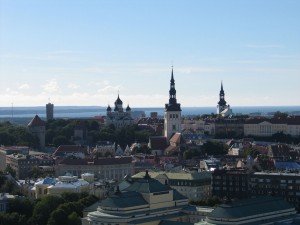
(215, 148)
(280, 115)
(74, 219)
(12, 219)
(6, 138)
(60, 140)
(43, 209)
(58, 216)
(10, 170)
(22, 206)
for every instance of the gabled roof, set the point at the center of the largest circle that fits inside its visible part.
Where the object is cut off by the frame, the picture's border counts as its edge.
(47, 180)
(36, 122)
(176, 138)
(279, 150)
(158, 142)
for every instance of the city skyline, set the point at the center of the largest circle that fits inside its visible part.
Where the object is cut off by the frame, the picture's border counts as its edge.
(84, 53)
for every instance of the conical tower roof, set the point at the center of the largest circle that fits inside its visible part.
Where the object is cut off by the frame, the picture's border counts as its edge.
(36, 122)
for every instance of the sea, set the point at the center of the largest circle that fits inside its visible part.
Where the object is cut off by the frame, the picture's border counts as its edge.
(92, 111)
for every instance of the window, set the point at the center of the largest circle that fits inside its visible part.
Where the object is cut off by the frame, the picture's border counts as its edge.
(174, 127)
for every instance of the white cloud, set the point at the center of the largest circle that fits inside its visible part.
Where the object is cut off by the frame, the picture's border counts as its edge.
(104, 87)
(51, 86)
(73, 86)
(24, 87)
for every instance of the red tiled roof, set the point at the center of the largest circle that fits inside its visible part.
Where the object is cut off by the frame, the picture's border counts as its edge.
(69, 148)
(176, 138)
(290, 120)
(280, 150)
(261, 149)
(36, 122)
(158, 142)
(170, 149)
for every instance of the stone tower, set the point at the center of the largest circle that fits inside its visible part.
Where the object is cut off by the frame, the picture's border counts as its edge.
(37, 127)
(172, 117)
(49, 111)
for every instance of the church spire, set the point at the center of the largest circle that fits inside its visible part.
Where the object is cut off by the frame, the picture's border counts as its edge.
(172, 95)
(172, 92)
(222, 91)
(172, 77)
(222, 101)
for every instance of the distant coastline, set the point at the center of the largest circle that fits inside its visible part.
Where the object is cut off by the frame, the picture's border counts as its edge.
(91, 111)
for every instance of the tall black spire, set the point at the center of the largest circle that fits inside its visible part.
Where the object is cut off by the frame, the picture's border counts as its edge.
(172, 92)
(222, 91)
(222, 101)
(173, 105)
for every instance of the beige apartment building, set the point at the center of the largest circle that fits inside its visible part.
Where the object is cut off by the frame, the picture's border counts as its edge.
(103, 168)
(268, 127)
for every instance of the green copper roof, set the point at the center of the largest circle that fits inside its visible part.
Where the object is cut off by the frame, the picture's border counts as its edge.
(166, 222)
(147, 186)
(124, 200)
(177, 176)
(249, 207)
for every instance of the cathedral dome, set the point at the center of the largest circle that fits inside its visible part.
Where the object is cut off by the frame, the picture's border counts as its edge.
(128, 108)
(118, 101)
(108, 108)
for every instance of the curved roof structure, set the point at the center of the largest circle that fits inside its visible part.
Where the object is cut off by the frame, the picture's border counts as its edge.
(148, 185)
(124, 200)
(253, 210)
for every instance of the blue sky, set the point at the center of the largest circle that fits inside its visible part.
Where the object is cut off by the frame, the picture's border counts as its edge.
(83, 52)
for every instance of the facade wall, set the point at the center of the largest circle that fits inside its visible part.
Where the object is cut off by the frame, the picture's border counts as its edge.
(40, 132)
(264, 129)
(21, 165)
(49, 111)
(293, 130)
(117, 171)
(233, 184)
(286, 185)
(172, 123)
(229, 128)
(2, 160)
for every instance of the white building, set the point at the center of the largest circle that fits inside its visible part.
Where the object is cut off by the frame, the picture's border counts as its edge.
(119, 117)
(222, 108)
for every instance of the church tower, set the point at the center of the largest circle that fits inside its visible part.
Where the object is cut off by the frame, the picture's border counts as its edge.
(38, 127)
(172, 117)
(222, 103)
(222, 108)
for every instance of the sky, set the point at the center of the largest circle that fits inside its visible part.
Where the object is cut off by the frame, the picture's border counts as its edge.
(82, 53)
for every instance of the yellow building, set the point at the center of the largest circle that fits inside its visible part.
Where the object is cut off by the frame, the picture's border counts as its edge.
(53, 186)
